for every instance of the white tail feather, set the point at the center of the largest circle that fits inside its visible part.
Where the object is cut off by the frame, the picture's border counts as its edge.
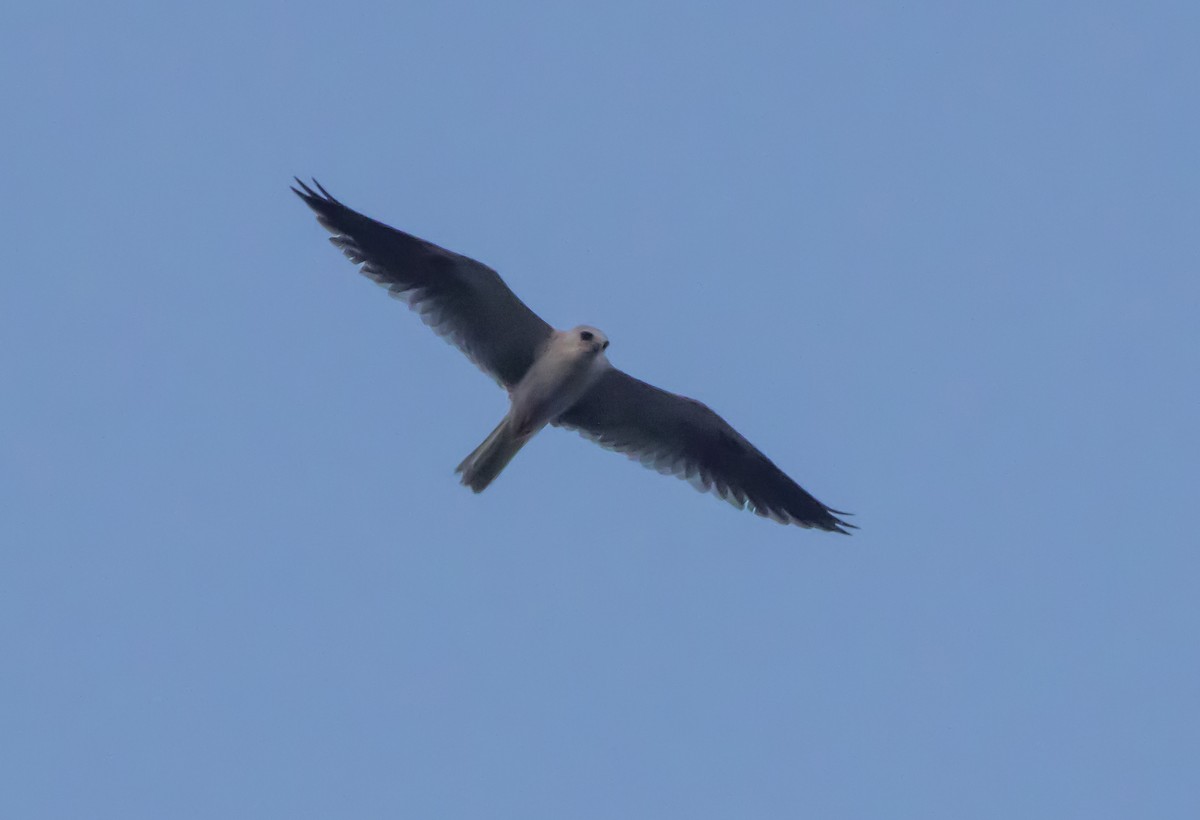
(487, 460)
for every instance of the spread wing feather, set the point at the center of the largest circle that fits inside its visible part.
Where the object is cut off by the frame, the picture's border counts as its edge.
(464, 301)
(679, 436)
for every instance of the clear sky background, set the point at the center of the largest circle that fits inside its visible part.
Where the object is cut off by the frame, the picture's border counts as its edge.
(939, 261)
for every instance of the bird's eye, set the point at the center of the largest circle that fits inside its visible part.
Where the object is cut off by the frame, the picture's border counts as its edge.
(586, 335)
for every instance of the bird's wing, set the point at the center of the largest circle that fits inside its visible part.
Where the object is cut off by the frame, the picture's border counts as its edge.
(680, 436)
(464, 301)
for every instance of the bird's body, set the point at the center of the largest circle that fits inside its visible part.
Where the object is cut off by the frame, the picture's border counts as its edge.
(562, 378)
(570, 364)
(563, 371)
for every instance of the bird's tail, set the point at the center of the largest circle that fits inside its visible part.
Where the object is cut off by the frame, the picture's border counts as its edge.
(487, 460)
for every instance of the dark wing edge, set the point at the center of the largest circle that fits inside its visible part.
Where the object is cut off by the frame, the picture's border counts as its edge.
(679, 436)
(463, 301)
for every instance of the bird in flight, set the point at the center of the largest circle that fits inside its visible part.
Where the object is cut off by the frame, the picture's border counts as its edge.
(561, 377)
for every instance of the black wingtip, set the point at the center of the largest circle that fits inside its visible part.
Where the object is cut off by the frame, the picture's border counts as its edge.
(309, 195)
(838, 525)
(306, 193)
(832, 523)
(327, 195)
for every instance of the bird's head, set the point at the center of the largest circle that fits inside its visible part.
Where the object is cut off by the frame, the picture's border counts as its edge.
(590, 339)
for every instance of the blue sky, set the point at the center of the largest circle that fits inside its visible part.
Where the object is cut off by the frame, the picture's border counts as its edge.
(939, 261)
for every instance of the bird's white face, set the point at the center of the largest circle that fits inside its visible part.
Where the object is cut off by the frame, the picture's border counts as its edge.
(590, 339)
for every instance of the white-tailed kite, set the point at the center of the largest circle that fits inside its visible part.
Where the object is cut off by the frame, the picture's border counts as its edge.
(561, 377)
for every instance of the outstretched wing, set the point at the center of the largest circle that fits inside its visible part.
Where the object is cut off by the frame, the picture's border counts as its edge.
(680, 436)
(464, 301)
